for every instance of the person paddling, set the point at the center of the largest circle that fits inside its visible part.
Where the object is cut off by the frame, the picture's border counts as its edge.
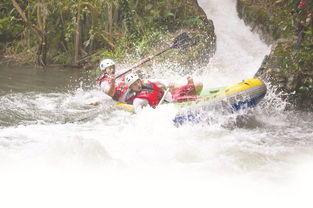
(148, 92)
(109, 84)
(118, 90)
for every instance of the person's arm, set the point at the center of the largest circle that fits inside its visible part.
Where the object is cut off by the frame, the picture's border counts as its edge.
(111, 89)
(108, 88)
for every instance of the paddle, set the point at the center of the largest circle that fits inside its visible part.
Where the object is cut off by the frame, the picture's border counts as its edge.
(180, 41)
(163, 97)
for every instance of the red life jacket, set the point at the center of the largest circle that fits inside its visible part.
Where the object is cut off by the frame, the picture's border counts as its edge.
(119, 89)
(302, 4)
(150, 91)
(102, 79)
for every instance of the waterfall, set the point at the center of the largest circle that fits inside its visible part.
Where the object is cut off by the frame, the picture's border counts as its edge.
(239, 52)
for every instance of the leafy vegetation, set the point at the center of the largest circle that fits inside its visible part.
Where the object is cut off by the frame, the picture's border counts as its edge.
(289, 65)
(73, 31)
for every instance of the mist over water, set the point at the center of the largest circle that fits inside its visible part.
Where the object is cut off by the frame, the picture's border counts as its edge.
(57, 150)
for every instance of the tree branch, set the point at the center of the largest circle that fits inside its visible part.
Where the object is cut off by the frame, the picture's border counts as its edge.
(22, 13)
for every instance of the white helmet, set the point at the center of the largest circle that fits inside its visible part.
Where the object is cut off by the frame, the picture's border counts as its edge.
(130, 79)
(106, 63)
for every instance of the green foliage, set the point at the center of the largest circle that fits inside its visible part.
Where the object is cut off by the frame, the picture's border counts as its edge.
(62, 58)
(115, 27)
(9, 30)
(308, 32)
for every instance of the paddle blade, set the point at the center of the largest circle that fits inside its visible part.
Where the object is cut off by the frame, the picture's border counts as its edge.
(182, 40)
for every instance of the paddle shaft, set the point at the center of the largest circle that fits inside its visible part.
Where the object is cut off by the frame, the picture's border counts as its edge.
(143, 62)
(180, 41)
(164, 95)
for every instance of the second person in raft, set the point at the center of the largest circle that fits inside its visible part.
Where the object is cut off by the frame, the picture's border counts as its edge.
(150, 92)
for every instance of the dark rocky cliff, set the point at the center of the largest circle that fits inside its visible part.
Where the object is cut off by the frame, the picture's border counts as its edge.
(287, 67)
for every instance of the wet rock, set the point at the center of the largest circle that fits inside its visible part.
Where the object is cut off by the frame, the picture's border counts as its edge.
(287, 68)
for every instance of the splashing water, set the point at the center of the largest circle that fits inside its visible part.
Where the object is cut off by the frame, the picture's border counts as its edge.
(52, 139)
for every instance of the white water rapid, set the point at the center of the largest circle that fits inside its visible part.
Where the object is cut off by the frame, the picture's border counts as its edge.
(56, 150)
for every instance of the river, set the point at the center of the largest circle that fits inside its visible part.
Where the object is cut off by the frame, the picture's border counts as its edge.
(57, 150)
